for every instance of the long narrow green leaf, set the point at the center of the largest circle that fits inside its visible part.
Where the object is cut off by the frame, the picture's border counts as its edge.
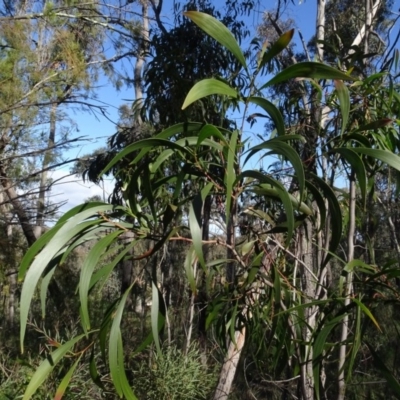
(280, 147)
(189, 260)
(230, 174)
(63, 235)
(367, 312)
(43, 289)
(320, 203)
(218, 31)
(207, 87)
(208, 131)
(335, 214)
(34, 250)
(318, 348)
(104, 272)
(277, 47)
(273, 112)
(344, 102)
(116, 355)
(308, 69)
(381, 123)
(358, 166)
(195, 218)
(62, 387)
(383, 155)
(280, 192)
(139, 145)
(356, 344)
(87, 269)
(46, 367)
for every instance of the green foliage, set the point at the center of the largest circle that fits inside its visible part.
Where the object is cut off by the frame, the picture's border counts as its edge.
(172, 374)
(273, 280)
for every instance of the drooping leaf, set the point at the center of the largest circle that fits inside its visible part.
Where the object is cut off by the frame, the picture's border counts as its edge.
(272, 110)
(279, 146)
(358, 166)
(189, 261)
(62, 236)
(195, 224)
(307, 69)
(383, 155)
(62, 387)
(277, 47)
(336, 216)
(344, 102)
(319, 346)
(374, 125)
(46, 367)
(116, 353)
(207, 87)
(230, 175)
(218, 31)
(87, 269)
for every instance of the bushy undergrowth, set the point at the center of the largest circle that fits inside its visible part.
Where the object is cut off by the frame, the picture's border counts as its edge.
(173, 375)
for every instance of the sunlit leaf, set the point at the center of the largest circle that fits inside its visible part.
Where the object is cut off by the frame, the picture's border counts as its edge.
(277, 47)
(207, 87)
(307, 69)
(272, 111)
(344, 102)
(230, 175)
(218, 31)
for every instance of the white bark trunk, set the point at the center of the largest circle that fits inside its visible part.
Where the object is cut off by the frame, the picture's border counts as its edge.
(229, 368)
(140, 60)
(348, 289)
(320, 28)
(364, 29)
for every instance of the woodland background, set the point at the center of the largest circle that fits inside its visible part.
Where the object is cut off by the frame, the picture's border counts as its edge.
(198, 278)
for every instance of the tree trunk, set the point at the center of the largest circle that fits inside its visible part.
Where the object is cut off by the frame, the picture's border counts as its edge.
(19, 210)
(348, 288)
(140, 59)
(230, 366)
(43, 188)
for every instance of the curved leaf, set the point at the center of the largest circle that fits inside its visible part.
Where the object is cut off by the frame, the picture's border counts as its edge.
(280, 147)
(62, 387)
(207, 87)
(139, 145)
(87, 269)
(218, 31)
(308, 69)
(46, 367)
(336, 217)
(277, 47)
(63, 235)
(383, 155)
(116, 353)
(272, 110)
(344, 102)
(357, 165)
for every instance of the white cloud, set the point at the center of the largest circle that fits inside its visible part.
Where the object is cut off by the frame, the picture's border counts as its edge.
(72, 190)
